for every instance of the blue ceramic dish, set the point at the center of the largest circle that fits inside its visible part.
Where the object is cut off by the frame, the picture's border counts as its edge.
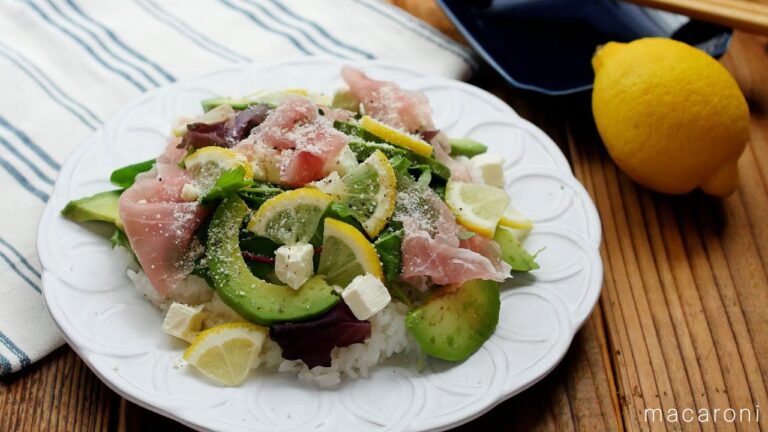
(547, 45)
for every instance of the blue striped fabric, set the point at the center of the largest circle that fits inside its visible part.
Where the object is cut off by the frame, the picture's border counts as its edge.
(72, 63)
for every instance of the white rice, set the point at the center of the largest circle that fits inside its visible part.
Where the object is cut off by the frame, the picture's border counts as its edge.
(389, 335)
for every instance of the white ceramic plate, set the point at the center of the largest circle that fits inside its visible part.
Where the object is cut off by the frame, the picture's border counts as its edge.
(117, 333)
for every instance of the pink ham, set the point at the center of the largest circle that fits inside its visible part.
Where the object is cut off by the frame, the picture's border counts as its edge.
(387, 102)
(431, 247)
(488, 249)
(159, 224)
(302, 140)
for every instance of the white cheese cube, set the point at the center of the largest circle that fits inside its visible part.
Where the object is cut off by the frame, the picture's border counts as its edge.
(343, 163)
(293, 264)
(259, 172)
(490, 168)
(366, 296)
(190, 192)
(183, 321)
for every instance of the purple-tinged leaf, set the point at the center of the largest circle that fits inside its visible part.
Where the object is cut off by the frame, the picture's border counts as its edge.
(312, 341)
(246, 120)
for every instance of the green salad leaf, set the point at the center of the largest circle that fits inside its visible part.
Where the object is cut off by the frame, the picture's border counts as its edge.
(388, 246)
(371, 143)
(120, 239)
(256, 194)
(230, 181)
(125, 176)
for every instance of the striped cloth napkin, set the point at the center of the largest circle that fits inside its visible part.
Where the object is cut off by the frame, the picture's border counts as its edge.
(67, 65)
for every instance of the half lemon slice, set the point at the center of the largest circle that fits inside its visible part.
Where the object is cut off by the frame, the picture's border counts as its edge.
(369, 190)
(478, 207)
(396, 137)
(227, 353)
(512, 218)
(291, 217)
(346, 254)
(207, 164)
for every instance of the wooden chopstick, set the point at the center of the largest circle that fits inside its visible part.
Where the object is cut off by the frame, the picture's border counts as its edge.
(739, 14)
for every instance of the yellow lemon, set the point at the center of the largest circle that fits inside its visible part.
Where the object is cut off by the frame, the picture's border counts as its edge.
(670, 115)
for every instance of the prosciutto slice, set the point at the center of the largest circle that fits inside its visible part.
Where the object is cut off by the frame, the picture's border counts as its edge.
(388, 102)
(159, 224)
(299, 138)
(431, 246)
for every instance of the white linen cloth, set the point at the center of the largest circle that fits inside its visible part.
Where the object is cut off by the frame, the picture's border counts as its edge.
(67, 65)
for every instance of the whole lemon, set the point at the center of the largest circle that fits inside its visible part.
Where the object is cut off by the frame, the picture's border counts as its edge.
(670, 115)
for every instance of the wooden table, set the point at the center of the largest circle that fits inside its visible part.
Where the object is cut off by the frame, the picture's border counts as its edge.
(682, 321)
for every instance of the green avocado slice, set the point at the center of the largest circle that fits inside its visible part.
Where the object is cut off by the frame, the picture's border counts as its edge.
(466, 147)
(256, 300)
(102, 207)
(456, 320)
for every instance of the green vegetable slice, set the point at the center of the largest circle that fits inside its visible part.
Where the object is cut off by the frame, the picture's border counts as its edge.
(125, 177)
(254, 299)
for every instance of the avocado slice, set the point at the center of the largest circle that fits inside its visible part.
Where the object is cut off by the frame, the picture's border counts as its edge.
(256, 300)
(236, 104)
(512, 252)
(466, 147)
(456, 320)
(103, 207)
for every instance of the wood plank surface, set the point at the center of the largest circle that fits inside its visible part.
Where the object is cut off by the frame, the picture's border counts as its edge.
(681, 323)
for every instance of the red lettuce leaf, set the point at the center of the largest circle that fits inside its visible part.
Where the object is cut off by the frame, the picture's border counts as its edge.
(224, 133)
(312, 341)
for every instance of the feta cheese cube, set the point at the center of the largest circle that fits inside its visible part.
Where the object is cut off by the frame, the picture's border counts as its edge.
(490, 168)
(190, 192)
(366, 296)
(343, 163)
(259, 172)
(293, 264)
(183, 321)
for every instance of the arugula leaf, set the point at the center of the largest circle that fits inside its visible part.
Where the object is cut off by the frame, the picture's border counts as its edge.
(125, 176)
(372, 143)
(261, 247)
(228, 182)
(400, 165)
(388, 248)
(119, 238)
(200, 269)
(258, 193)
(339, 212)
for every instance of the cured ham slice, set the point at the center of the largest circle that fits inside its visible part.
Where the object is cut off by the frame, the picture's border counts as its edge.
(431, 246)
(159, 224)
(388, 102)
(488, 249)
(302, 139)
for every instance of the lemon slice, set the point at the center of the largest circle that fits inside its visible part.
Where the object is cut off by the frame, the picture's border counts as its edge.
(208, 163)
(478, 207)
(290, 217)
(512, 218)
(397, 137)
(369, 190)
(226, 353)
(346, 254)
